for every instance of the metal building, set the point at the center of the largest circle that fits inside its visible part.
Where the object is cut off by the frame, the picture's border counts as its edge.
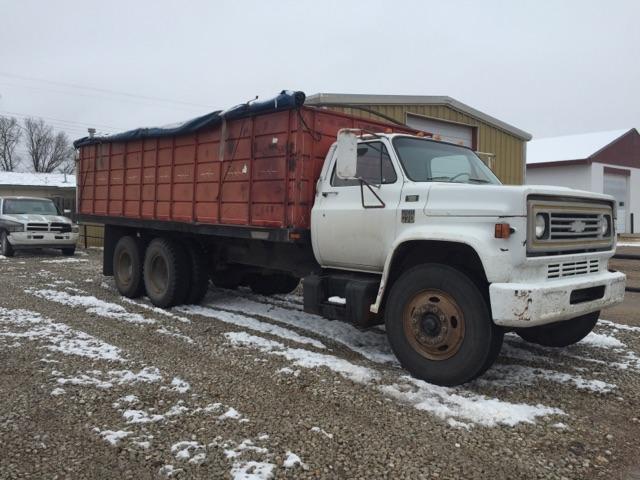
(500, 145)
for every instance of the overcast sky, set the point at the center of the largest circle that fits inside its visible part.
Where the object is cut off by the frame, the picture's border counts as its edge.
(547, 67)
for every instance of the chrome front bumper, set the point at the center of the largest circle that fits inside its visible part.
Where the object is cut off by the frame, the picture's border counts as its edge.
(42, 239)
(530, 304)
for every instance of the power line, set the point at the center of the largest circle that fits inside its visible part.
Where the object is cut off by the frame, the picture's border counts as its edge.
(71, 122)
(104, 90)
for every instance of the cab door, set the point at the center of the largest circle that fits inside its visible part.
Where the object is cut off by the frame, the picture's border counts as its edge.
(354, 221)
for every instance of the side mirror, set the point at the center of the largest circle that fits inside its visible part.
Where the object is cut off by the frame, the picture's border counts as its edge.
(347, 152)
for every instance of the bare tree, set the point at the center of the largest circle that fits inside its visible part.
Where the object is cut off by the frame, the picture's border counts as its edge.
(9, 138)
(47, 150)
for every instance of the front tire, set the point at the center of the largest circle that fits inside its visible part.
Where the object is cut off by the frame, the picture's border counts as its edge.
(5, 247)
(166, 273)
(561, 334)
(127, 267)
(439, 325)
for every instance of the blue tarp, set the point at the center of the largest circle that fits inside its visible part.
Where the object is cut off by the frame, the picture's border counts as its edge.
(286, 100)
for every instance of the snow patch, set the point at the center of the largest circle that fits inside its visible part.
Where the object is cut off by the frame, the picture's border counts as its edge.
(371, 345)
(57, 391)
(601, 340)
(91, 304)
(58, 336)
(179, 385)
(252, 471)
(250, 323)
(151, 308)
(320, 430)
(65, 260)
(111, 436)
(164, 331)
(448, 403)
(304, 358)
(291, 460)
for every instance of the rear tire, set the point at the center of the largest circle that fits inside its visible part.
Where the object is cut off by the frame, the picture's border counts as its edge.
(5, 247)
(165, 272)
(199, 283)
(272, 284)
(439, 325)
(127, 267)
(69, 252)
(561, 334)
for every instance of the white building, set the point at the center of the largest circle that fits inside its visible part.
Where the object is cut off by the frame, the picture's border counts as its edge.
(601, 162)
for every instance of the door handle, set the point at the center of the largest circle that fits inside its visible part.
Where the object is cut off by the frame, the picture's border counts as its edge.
(326, 194)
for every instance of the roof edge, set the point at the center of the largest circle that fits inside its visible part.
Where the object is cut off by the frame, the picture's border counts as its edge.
(358, 98)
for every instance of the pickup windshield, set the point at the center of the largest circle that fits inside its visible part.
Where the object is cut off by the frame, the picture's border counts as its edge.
(431, 161)
(17, 206)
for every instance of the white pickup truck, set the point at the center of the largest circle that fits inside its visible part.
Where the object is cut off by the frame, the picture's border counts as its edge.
(404, 230)
(31, 223)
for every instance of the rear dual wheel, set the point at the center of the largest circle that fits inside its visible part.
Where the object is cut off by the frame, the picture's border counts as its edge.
(439, 325)
(175, 272)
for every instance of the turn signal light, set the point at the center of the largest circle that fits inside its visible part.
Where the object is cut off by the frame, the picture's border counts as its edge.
(503, 230)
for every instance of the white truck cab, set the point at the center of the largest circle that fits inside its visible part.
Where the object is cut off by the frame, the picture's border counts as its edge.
(32, 223)
(451, 258)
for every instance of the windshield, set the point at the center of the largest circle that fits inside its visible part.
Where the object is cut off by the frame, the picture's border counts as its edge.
(26, 206)
(431, 161)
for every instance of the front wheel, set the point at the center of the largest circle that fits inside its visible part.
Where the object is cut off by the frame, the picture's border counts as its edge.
(561, 334)
(439, 325)
(5, 247)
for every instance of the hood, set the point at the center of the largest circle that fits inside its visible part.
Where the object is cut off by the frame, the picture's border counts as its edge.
(463, 199)
(35, 218)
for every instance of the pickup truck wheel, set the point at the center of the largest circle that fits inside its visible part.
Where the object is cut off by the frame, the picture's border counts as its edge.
(5, 247)
(199, 276)
(273, 283)
(439, 325)
(561, 334)
(166, 273)
(127, 267)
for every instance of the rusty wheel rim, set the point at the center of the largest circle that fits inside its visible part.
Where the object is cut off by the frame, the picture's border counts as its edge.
(434, 324)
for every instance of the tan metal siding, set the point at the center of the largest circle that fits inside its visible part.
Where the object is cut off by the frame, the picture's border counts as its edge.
(507, 148)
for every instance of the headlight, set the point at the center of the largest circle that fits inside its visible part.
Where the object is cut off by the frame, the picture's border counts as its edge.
(11, 226)
(605, 226)
(75, 228)
(541, 225)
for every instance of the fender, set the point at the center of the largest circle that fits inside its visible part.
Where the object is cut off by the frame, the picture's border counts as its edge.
(498, 256)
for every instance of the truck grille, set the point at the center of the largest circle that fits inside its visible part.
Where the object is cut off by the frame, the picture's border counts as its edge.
(57, 227)
(37, 227)
(572, 226)
(569, 269)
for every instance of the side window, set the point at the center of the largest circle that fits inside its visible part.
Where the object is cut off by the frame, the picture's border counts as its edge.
(374, 166)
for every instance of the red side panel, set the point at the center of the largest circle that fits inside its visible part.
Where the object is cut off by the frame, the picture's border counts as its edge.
(262, 174)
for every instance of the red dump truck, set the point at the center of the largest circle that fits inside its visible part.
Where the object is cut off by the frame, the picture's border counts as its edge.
(385, 225)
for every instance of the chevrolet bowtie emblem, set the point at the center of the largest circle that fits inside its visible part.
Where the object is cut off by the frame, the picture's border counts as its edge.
(578, 226)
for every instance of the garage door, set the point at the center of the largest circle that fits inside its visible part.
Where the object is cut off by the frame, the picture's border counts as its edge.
(618, 187)
(448, 132)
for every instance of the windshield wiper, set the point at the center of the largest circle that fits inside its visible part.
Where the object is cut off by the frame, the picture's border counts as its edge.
(430, 179)
(479, 180)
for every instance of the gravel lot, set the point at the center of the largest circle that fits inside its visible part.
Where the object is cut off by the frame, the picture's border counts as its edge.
(94, 386)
